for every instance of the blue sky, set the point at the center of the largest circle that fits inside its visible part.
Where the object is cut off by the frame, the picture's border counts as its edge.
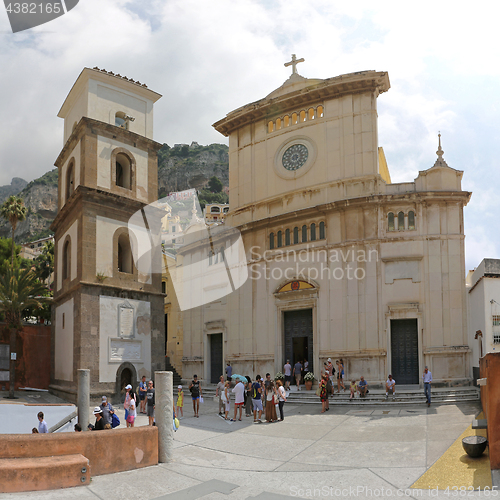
(208, 58)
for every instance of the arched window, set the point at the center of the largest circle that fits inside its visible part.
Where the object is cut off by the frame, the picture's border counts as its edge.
(411, 219)
(313, 232)
(271, 241)
(66, 260)
(226, 210)
(287, 237)
(401, 221)
(310, 114)
(390, 220)
(286, 121)
(319, 111)
(278, 124)
(270, 126)
(125, 264)
(120, 120)
(294, 118)
(295, 235)
(123, 171)
(70, 179)
(280, 239)
(215, 210)
(304, 233)
(322, 235)
(302, 116)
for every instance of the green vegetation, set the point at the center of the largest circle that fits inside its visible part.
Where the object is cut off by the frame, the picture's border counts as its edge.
(48, 179)
(14, 211)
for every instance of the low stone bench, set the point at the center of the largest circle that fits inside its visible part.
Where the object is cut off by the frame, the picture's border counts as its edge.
(43, 473)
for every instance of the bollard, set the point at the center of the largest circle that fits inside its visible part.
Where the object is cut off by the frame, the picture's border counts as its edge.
(164, 398)
(83, 398)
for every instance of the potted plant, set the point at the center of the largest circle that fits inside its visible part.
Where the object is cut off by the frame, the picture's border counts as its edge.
(279, 376)
(308, 380)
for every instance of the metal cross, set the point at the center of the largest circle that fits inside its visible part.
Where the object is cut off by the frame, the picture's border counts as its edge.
(294, 63)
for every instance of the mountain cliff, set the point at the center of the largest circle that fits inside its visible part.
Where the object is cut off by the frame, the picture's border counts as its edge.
(180, 167)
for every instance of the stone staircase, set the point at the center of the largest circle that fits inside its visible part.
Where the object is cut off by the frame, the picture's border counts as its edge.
(177, 378)
(405, 396)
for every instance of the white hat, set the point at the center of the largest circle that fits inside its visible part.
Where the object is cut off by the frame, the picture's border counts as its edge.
(179, 387)
(329, 360)
(128, 386)
(97, 410)
(327, 372)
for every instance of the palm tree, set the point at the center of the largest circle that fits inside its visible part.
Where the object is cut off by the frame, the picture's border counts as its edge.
(19, 290)
(14, 211)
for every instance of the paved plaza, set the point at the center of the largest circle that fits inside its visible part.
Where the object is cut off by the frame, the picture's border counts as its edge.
(368, 452)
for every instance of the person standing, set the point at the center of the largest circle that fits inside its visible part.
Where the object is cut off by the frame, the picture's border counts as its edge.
(128, 396)
(248, 398)
(229, 371)
(219, 391)
(180, 402)
(297, 372)
(323, 393)
(143, 389)
(107, 411)
(270, 403)
(99, 421)
(226, 399)
(42, 425)
(150, 397)
(331, 371)
(131, 413)
(288, 374)
(195, 389)
(427, 378)
(340, 376)
(257, 400)
(239, 398)
(281, 399)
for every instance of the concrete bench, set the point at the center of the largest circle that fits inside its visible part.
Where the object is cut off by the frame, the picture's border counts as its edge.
(43, 473)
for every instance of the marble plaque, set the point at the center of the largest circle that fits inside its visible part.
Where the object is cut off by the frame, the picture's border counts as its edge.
(126, 322)
(124, 350)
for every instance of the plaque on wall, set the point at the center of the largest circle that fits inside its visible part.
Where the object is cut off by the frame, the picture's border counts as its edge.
(125, 321)
(124, 350)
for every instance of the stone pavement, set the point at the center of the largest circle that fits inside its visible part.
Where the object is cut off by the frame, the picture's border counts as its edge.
(344, 453)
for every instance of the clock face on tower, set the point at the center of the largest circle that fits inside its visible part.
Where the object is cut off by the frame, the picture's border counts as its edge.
(295, 157)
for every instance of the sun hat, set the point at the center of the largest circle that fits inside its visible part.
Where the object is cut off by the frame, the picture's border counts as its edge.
(329, 360)
(179, 387)
(97, 410)
(128, 386)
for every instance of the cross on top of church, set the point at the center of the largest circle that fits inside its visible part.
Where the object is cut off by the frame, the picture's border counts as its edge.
(294, 63)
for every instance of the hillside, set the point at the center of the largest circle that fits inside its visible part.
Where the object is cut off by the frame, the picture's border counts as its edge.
(180, 167)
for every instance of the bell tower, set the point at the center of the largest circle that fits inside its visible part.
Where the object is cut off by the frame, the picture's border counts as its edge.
(107, 315)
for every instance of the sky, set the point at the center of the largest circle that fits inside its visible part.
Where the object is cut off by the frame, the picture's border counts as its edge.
(208, 58)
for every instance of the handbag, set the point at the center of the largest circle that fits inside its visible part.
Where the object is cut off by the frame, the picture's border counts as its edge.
(115, 421)
(201, 399)
(318, 391)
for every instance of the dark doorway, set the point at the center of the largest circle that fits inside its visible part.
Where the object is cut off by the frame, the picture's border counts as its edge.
(299, 336)
(216, 368)
(404, 351)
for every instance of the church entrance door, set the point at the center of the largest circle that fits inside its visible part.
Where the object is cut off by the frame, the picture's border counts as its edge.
(216, 368)
(299, 336)
(404, 351)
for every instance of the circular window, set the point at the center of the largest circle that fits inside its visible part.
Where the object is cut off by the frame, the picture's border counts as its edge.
(295, 156)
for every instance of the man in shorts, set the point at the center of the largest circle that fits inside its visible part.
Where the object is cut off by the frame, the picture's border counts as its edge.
(143, 389)
(297, 371)
(150, 396)
(288, 374)
(257, 400)
(239, 398)
(362, 387)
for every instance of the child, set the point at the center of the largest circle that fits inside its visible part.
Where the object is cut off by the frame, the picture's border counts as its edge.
(131, 413)
(226, 402)
(42, 426)
(180, 402)
(353, 389)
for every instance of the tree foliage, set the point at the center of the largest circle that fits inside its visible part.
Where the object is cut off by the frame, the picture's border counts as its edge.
(215, 185)
(14, 211)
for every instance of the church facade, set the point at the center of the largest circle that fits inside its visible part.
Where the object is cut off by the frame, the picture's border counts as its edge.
(341, 262)
(108, 314)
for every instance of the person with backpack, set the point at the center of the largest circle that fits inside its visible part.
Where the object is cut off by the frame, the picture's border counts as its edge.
(107, 411)
(257, 400)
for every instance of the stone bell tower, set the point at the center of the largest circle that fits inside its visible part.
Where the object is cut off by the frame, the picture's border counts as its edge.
(107, 314)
